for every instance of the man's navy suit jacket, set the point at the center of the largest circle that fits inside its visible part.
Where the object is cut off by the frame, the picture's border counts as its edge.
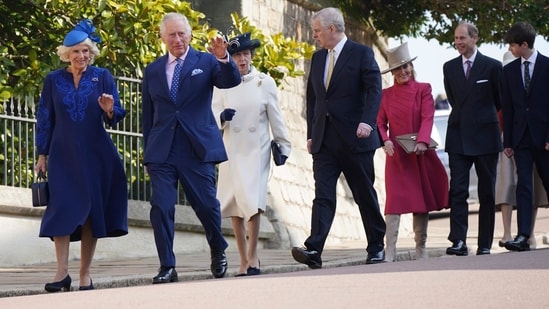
(521, 110)
(354, 96)
(193, 112)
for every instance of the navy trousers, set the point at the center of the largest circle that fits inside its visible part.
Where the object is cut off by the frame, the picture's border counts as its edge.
(198, 181)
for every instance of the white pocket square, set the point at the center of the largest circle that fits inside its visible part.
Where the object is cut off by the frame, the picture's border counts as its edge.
(196, 72)
(480, 81)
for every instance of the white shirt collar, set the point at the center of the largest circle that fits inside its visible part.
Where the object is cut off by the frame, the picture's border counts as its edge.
(532, 58)
(472, 58)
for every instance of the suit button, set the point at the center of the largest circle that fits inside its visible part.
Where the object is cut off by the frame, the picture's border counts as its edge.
(528, 109)
(252, 129)
(236, 129)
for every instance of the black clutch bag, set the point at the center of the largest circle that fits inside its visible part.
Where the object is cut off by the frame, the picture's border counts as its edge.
(278, 158)
(40, 192)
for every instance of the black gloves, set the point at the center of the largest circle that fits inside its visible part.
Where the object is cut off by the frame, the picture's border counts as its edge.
(227, 114)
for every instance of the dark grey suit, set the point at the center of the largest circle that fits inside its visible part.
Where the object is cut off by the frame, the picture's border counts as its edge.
(473, 137)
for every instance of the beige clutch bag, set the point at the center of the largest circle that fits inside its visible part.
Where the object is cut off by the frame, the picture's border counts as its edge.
(408, 142)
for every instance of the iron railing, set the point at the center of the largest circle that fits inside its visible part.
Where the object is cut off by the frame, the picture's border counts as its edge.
(17, 141)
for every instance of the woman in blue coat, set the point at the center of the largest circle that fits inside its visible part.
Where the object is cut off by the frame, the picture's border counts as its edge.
(87, 183)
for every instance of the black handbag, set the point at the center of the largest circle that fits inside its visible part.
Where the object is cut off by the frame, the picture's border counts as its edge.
(40, 192)
(278, 158)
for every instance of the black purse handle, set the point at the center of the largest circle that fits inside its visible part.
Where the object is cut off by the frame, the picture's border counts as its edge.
(42, 176)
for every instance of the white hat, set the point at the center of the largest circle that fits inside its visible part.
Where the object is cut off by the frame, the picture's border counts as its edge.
(398, 56)
(508, 57)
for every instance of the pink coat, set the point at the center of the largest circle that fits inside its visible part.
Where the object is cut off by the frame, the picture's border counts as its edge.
(413, 183)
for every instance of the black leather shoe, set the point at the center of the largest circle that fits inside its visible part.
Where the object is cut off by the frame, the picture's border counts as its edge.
(219, 264)
(166, 275)
(520, 243)
(308, 257)
(483, 251)
(375, 258)
(63, 285)
(458, 248)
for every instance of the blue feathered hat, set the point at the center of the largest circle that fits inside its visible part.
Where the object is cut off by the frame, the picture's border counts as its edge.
(83, 30)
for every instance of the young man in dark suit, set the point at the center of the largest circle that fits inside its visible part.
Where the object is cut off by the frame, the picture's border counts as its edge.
(343, 98)
(181, 139)
(526, 122)
(472, 84)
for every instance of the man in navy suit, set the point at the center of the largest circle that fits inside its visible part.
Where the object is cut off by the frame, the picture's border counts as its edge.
(472, 84)
(526, 122)
(181, 138)
(341, 133)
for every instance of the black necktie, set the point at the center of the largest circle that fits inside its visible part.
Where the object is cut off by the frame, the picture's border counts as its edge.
(526, 75)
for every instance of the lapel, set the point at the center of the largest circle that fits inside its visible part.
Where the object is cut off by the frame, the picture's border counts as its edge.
(539, 66)
(161, 75)
(342, 59)
(189, 64)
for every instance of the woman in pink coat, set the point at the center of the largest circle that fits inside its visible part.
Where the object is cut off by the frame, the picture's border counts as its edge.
(415, 182)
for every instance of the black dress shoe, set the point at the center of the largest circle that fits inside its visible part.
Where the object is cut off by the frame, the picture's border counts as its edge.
(166, 275)
(219, 264)
(520, 243)
(483, 251)
(308, 257)
(63, 285)
(458, 248)
(376, 257)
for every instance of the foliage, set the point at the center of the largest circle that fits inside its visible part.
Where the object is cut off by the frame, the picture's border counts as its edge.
(277, 54)
(30, 31)
(438, 19)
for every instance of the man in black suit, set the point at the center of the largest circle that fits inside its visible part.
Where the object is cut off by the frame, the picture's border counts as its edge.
(526, 122)
(343, 98)
(472, 84)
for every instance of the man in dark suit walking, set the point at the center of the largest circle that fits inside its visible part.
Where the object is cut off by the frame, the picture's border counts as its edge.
(526, 122)
(343, 98)
(181, 138)
(472, 84)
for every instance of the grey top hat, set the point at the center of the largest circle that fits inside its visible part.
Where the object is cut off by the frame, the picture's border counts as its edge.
(398, 56)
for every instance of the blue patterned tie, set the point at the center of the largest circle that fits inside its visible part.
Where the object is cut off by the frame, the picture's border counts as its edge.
(526, 76)
(175, 79)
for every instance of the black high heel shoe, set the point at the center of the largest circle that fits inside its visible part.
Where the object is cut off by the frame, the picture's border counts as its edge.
(253, 271)
(87, 287)
(64, 285)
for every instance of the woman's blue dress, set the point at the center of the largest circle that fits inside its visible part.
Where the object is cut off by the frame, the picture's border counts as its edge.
(85, 173)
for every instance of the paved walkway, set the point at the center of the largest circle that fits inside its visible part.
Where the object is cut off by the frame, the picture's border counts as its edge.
(29, 280)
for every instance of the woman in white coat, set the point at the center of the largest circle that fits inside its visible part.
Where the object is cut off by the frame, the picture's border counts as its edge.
(247, 114)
